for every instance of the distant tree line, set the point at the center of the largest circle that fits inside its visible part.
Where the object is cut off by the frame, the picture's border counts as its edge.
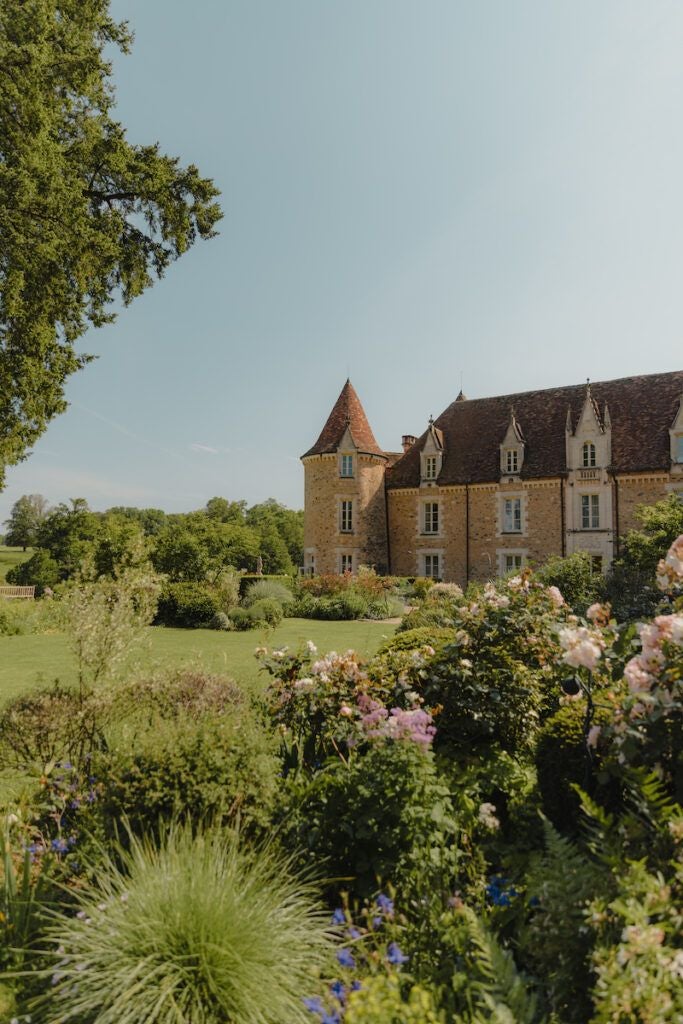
(187, 547)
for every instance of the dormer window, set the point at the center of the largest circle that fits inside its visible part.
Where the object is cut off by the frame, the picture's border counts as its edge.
(511, 460)
(346, 466)
(589, 459)
(431, 467)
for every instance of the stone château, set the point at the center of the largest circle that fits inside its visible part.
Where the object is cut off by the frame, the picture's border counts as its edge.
(493, 483)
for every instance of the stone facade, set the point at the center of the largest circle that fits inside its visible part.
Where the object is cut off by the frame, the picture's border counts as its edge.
(493, 484)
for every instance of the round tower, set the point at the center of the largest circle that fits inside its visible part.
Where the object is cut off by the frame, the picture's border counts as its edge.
(345, 523)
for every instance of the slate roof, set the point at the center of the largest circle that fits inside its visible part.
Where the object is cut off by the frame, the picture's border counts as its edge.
(642, 409)
(347, 412)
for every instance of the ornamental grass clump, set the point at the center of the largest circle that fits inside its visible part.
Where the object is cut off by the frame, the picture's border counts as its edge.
(198, 930)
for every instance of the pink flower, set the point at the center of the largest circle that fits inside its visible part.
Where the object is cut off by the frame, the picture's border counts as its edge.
(582, 648)
(670, 568)
(636, 676)
(555, 596)
(346, 711)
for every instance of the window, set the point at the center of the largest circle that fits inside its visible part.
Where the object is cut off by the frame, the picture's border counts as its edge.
(511, 460)
(430, 467)
(309, 566)
(431, 566)
(512, 562)
(590, 511)
(346, 517)
(596, 564)
(512, 515)
(589, 455)
(345, 563)
(679, 448)
(346, 465)
(431, 517)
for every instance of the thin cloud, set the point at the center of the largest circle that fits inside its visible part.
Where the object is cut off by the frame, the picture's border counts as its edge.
(203, 448)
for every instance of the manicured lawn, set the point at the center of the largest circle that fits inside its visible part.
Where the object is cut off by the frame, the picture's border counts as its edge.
(30, 661)
(9, 557)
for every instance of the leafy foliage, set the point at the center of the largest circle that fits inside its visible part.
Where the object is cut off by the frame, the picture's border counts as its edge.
(85, 216)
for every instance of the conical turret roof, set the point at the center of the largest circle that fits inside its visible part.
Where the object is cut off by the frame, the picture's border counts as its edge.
(348, 413)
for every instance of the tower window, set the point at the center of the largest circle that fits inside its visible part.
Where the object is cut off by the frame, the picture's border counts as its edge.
(511, 460)
(589, 460)
(590, 511)
(346, 517)
(346, 466)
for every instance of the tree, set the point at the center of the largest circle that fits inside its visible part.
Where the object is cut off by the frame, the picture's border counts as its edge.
(85, 217)
(26, 516)
(40, 571)
(69, 535)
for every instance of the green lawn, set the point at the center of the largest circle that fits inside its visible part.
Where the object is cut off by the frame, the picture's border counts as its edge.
(29, 661)
(9, 557)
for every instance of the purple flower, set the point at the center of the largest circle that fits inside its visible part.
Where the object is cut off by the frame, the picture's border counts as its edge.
(338, 990)
(345, 958)
(339, 917)
(385, 904)
(356, 985)
(314, 1004)
(60, 845)
(394, 954)
(377, 922)
(353, 932)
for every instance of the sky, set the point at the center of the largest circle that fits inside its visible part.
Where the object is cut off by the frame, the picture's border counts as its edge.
(418, 194)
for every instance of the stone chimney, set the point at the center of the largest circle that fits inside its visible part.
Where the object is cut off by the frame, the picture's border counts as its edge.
(408, 440)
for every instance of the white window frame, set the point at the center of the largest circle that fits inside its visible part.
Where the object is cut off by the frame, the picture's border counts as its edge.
(431, 520)
(589, 455)
(346, 515)
(512, 461)
(590, 511)
(502, 555)
(346, 462)
(430, 467)
(512, 523)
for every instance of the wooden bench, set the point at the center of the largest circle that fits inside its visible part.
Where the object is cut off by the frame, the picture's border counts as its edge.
(25, 593)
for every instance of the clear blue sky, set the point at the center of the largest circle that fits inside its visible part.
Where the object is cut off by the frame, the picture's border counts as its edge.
(413, 191)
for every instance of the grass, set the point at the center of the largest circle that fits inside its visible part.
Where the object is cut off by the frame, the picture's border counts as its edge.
(30, 661)
(9, 557)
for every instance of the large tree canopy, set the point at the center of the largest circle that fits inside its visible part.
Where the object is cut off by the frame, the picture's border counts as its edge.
(85, 217)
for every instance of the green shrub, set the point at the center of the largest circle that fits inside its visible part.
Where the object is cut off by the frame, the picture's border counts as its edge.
(247, 580)
(177, 694)
(268, 589)
(188, 605)
(574, 577)
(242, 619)
(346, 604)
(40, 571)
(389, 606)
(384, 816)
(562, 760)
(379, 1001)
(21, 618)
(423, 636)
(421, 586)
(431, 616)
(216, 766)
(221, 621)
(205, 931)
(266, 610)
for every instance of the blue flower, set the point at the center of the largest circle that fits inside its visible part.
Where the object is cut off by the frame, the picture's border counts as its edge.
(377, 922)
(339, 917)
(60, 845)
(338, 990)
(330, 1018)
(314, 1004)
(356, 985)
(346, 958)
(394, 954)
(385, 904)
(353, 932)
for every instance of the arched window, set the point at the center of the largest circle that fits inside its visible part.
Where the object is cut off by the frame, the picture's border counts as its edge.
(588, 454)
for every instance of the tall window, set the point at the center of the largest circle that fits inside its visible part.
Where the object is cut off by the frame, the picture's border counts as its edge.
(345, 563)
(590, 511)
(589, 455)
(679, 448)
(431, 566)
(430, 466)
(431, 517)
(346, 517)
(346, 465)
(512, 515)
(511, 460)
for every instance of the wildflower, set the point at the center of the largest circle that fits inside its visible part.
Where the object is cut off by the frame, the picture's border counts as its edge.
(339, 917)
(394, 954)
(353, 932)
(338, 990)
(487, 816)
(60, 845)
(346, 958)
(356, 986)
(346, 711)
(314, 1004)
(385, 904)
